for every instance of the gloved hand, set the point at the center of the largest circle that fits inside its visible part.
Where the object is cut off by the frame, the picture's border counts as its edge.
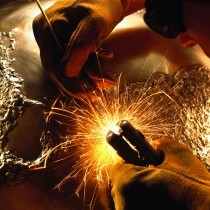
(181, 182)
(79, 26)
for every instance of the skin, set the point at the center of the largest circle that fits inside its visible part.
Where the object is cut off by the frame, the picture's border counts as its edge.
(196, 18)
(197, 29)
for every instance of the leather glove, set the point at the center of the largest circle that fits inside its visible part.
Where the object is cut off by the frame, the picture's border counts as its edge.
(180, 182)
(80, 26)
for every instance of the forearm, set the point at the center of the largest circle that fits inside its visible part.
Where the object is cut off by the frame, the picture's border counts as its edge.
(198, 28)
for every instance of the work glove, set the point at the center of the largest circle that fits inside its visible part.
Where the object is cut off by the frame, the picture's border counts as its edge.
(180, 182)
(79, 26)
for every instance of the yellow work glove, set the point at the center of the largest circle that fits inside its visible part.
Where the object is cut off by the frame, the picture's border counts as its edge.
(180, 182)
(80, 26)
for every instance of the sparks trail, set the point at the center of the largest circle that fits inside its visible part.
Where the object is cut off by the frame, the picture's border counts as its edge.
(89, 122)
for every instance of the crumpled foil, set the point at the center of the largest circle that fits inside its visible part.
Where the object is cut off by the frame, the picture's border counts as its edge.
(190, 90)
(13, 103)
(193, 93)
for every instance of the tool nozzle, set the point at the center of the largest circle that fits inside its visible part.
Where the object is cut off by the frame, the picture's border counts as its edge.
(131, 145)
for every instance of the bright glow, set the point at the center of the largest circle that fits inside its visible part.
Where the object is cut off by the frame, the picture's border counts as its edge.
(89, 122)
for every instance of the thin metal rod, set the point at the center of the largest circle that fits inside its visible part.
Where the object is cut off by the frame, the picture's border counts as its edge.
(50, 26)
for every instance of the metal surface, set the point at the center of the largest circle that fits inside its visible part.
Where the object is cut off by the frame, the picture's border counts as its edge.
(23, 137)
(137, 50)
(137, 53)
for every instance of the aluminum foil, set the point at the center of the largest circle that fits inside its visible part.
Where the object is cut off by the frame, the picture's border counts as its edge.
(190, 90)
(13, 105)
(189, 87)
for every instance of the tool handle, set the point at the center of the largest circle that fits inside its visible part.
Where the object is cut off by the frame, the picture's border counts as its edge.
(137, 139)
(123, 149)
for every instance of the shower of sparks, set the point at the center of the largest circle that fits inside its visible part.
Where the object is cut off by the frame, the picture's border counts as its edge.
(89, 121)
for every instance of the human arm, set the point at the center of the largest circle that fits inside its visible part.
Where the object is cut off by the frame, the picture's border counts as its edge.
(187, 19)
(196, 18)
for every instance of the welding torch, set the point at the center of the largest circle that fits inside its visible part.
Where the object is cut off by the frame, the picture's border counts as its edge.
(131, 145)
